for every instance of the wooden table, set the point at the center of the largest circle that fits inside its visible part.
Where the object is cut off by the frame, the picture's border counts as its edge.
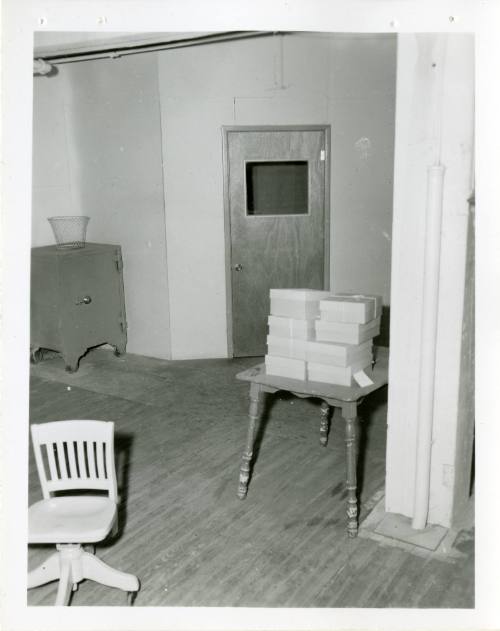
(343, 397)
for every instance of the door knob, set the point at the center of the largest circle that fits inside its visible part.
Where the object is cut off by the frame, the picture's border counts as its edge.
(238, 267)
(86, 300)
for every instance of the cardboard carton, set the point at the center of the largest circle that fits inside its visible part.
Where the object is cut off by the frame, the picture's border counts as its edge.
(333, 354)
(291, 327)
(285, 367)
(350, 308)
(338, 375)
(301, 304)
(346, 332)
(287, 347)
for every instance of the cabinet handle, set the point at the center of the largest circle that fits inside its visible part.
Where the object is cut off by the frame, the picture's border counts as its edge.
(86, 300)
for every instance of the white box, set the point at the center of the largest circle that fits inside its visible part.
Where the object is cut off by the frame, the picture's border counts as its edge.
(337, 375)
(346, 332)
(334, 354)
(300, 304)
(286, 347)
(290, 327)
(350, 308)
(285, 367)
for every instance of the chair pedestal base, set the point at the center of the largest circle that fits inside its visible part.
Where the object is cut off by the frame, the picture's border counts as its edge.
(71, 564)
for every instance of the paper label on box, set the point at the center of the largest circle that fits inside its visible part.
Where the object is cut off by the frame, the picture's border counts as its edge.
(362, 379)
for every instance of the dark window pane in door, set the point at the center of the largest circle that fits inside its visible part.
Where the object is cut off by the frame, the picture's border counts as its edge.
(277, 188)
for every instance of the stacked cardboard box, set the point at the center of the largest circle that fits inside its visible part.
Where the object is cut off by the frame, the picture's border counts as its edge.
(319, 336)
(291, 326)
(350, 322)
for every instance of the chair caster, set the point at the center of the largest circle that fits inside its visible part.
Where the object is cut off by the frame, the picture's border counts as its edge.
(131, 598)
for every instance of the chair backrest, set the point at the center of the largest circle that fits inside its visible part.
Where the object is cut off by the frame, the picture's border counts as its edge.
(75, 455)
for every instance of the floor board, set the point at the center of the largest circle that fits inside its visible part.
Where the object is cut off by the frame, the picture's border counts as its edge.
(180, 429)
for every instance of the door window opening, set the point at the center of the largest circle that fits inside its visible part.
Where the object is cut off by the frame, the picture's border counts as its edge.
(277, 187)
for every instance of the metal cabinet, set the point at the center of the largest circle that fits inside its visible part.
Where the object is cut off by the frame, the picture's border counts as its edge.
(77, 300)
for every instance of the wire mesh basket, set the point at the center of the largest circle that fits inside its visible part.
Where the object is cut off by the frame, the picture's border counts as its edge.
(69, 231)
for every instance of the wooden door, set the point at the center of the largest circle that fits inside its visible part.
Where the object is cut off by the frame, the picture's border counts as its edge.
(276, 192)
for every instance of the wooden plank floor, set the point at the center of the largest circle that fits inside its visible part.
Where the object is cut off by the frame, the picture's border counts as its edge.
(180, 431)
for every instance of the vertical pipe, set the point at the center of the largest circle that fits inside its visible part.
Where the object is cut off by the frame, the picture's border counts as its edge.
(434, 208)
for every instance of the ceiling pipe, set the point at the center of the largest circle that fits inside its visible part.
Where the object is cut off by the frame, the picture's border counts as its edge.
(120, 51)
(41, 67)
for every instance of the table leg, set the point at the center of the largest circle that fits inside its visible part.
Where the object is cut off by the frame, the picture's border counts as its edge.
(248, 453)
(349, 412)
(324, 424)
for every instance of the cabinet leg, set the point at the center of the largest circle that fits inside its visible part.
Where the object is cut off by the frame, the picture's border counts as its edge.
(248, 453)
(119, 344)
(351, 462)
(119, 350)
(71, 361)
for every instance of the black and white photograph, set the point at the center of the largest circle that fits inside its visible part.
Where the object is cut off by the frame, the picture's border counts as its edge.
(247, 303)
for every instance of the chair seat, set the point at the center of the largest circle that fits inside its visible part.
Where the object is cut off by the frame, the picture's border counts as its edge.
(71, 519)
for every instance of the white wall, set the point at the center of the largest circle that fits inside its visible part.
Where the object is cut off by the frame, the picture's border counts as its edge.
(434, 123)
(136, 143)
(345, 81)
(203, 89)
(52, 192)
(362, 110)
(97, 151)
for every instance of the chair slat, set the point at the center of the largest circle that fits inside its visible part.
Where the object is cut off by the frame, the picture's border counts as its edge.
(73, 470)
(52, 461)
(101, 472)
(91, 459)
(41, 468)
(81, 459)
(61, 457)
(105, 458)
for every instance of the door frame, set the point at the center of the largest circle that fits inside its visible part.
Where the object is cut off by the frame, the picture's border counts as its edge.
(226, 130)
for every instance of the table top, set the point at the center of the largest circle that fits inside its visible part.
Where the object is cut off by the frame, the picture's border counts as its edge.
(257, 374)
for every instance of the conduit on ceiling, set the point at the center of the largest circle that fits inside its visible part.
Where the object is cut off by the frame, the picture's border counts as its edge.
(120, 51)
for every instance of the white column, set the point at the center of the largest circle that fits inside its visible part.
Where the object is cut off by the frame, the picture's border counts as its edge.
(434, 125)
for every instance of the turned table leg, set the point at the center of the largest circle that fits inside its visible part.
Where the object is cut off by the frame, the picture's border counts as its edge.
(324, 424)
(349, 412)
(248, 453)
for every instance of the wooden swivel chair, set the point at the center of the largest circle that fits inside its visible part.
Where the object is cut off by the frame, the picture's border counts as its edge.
(75, 456)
